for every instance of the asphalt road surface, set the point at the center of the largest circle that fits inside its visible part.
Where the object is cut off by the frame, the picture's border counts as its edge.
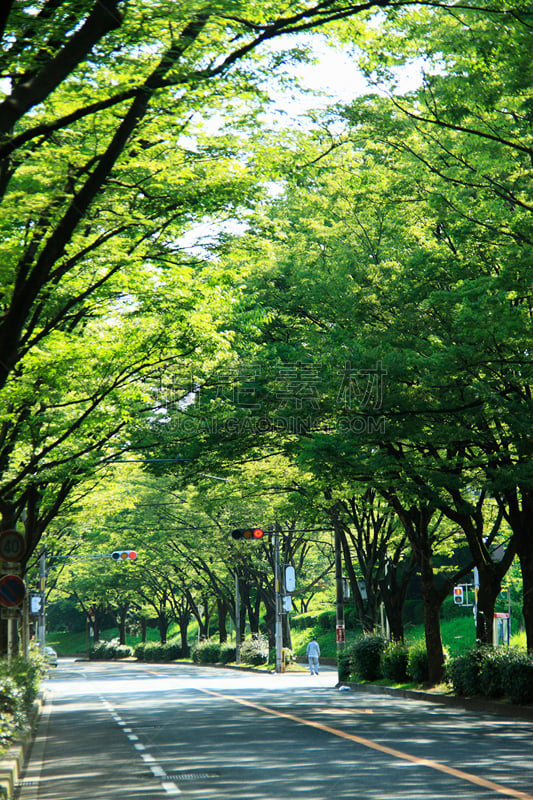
(130, 731)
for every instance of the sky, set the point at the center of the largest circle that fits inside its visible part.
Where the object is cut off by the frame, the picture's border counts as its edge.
(334, 78)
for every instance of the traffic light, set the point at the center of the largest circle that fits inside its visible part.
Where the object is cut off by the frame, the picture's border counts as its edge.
(123, 555)
(458, 597)
(247, 533)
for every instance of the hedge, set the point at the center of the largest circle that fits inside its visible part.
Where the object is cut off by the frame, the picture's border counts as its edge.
(394, 662)
(417, 664)
(155, 651)
(374, 657)
(365, 657)
(501, 672)
(109, 651)
(255, 651)
(206, 652)
(19, 685)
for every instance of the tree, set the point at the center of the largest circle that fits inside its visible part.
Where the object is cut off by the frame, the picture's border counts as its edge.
(368, 532)
(469, 127)
(54, 58)
(97, 185)
(400, 313)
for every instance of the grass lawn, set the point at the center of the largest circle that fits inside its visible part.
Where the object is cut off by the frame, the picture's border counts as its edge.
(75, 644)
(458, 634)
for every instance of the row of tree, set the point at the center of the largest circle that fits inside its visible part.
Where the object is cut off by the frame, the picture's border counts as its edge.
(371, 327)
(187, 563)
(385, 326)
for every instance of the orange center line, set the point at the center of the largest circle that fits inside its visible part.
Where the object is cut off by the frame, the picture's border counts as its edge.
(391, 751)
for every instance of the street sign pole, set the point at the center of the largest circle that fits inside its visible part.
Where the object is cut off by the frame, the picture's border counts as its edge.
(26, 626)
(42, 588)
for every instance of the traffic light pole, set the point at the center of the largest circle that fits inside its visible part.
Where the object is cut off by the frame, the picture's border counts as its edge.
(339, 586)
(237, 620)
(116, 555)
(277, 600)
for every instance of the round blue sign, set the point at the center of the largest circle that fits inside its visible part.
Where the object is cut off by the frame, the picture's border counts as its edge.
(12, 591)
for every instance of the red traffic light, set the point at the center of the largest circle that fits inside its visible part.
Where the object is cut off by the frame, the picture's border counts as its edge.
(123, 555)
(458, 596)
(247, 533)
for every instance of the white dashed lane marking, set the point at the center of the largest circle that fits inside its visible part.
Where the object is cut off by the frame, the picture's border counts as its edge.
(169, 787)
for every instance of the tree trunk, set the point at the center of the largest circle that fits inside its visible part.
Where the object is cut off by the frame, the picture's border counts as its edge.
(519, 513)
(222, 613)
(122, 624)
(183, 622)
(525, 555)
(286, 631)
(416, 521)
(162, 624)
(394, 603)
(270, 621)
(432, 602)
(489, 588)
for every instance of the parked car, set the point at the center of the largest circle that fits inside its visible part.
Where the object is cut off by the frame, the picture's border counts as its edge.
(50, 656)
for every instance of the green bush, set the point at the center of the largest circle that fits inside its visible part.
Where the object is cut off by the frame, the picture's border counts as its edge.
(228, 653)
(417, 664)
(327, 620)
(19, 685)
(155, 651)
(518, 677)
(301, 621)
(27, 675)
(394, 662)
(492, 671)
(108, 651)
(343, 667)
(365, 657)
(206, 652)
(171, 651)
(464, 670)
(152, 651)
(12, 717)
(255, 651)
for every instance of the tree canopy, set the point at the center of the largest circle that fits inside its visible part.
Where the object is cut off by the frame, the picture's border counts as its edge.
(350, 349)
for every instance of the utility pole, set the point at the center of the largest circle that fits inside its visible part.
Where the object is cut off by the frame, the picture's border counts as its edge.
(277, 599)
(339, 587)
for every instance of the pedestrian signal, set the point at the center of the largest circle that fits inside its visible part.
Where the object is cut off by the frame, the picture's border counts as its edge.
(458, 595)
(123, 555)
(247, 533)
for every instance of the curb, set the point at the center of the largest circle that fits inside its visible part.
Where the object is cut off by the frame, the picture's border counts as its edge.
(13, 760)
(478, 704)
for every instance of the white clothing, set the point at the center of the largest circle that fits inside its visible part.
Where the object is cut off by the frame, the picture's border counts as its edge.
(313, 654)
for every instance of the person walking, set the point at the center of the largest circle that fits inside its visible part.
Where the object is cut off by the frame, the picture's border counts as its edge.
(313, 654)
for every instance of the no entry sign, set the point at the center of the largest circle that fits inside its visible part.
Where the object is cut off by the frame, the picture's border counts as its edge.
(12, 591)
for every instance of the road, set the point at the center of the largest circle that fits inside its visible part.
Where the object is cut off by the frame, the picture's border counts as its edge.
(130, 731)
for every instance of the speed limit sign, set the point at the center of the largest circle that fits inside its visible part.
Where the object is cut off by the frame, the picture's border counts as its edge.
(12, 545)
